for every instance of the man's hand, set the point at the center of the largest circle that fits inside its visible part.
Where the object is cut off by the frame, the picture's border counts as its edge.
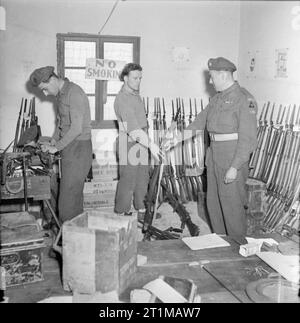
(155, 151)
(230, 175)
(52, 142)
(171, 142)
(49, 148)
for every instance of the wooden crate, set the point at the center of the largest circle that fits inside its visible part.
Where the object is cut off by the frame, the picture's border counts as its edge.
(38, 188)
(99, 252)
(21, 249)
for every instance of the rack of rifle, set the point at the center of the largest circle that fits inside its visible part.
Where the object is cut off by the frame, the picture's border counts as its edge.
(185, 163)
(27, 119)
(181, 179)
(276, 162)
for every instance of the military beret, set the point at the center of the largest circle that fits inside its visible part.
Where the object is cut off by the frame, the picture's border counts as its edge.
(41, 75)
(221, 64)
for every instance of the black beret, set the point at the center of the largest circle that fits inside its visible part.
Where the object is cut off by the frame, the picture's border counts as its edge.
(41, 75)
(221, 64)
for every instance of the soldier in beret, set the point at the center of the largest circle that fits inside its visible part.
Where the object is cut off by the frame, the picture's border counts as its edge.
(72, 137)
(230, 118)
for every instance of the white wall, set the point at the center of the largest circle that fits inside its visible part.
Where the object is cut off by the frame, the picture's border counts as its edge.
(207, 28)
(265, 27)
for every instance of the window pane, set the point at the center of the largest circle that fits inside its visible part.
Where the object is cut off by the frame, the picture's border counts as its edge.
(109, 112)
(76, 52)
(78, 77)
(119, 51)
(92, 107)
(113, 87)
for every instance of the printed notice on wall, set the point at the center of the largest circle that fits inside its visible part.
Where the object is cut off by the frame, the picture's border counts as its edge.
(103, 69)
(281, 62)
(252, 60)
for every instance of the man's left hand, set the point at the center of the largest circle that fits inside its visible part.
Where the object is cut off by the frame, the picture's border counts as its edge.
(230, 175)
(49, 148)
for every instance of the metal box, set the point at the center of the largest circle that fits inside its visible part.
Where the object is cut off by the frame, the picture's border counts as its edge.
(21, 249)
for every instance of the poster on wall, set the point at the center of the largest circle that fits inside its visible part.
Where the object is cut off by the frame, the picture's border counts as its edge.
(103, 69)
(252, 60)
(281, 63)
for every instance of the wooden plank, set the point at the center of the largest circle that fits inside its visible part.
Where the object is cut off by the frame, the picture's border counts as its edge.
(235, 276)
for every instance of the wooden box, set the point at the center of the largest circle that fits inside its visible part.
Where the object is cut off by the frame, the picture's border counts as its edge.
(99, 252)
(21, 249)
(38, 188)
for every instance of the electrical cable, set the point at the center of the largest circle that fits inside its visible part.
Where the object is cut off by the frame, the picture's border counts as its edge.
(111, 12)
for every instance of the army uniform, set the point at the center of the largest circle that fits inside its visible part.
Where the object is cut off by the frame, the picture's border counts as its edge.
(73, 137)
(133, 178)
(73, 140)
(230, 118)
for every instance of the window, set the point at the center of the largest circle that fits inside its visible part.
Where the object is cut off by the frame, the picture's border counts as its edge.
(72, 52)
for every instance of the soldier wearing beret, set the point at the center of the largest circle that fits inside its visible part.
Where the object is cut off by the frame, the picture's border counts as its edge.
(230, 118)
(72, 138)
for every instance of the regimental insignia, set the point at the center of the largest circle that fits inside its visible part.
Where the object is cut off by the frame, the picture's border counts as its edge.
(252, 106)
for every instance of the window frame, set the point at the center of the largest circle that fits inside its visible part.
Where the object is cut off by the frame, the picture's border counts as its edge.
(100, 85)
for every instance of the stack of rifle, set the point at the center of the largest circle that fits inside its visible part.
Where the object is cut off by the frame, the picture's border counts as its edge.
(27, 118)
(276, 162)
(184, 163)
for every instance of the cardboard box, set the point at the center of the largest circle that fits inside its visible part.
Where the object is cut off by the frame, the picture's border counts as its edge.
(99, 252)
(100, 187)
(99, 194)
(21, 250)
(105, 169)
(94, 201)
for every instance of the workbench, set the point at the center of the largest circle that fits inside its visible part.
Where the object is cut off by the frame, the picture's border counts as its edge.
(223, 278)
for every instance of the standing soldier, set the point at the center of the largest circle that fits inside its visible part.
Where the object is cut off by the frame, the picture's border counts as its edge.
(133, 143)
(230, 118)
(72, 138)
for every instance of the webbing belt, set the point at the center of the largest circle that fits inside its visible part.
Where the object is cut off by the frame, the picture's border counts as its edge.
(223, 136)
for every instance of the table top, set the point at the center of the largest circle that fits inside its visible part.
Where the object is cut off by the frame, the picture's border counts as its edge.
(220, 274)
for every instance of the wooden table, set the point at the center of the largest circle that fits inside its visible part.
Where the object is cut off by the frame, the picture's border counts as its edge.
(220, 274)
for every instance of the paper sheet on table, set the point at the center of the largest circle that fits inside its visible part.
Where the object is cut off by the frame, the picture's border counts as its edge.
(286, 265)
(206, 241)
(270, 241)
(165, 292)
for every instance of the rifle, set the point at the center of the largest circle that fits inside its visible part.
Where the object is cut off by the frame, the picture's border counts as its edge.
(23, 121)
(18, 127)
(261, 144)
(152, 199)
(182, 212)
(266, 149)
(273, 149)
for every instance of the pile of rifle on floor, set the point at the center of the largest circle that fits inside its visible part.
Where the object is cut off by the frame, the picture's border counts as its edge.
(180, 175)
(276, 162)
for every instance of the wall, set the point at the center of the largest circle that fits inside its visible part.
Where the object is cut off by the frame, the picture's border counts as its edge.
(265, 27)
(208, 29)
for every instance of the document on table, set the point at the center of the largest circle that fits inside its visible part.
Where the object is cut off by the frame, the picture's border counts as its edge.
(206, 241)
(286, 266)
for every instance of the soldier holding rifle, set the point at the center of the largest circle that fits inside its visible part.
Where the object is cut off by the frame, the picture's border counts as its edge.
(72, 138)
(133, 143)
(230, 118)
